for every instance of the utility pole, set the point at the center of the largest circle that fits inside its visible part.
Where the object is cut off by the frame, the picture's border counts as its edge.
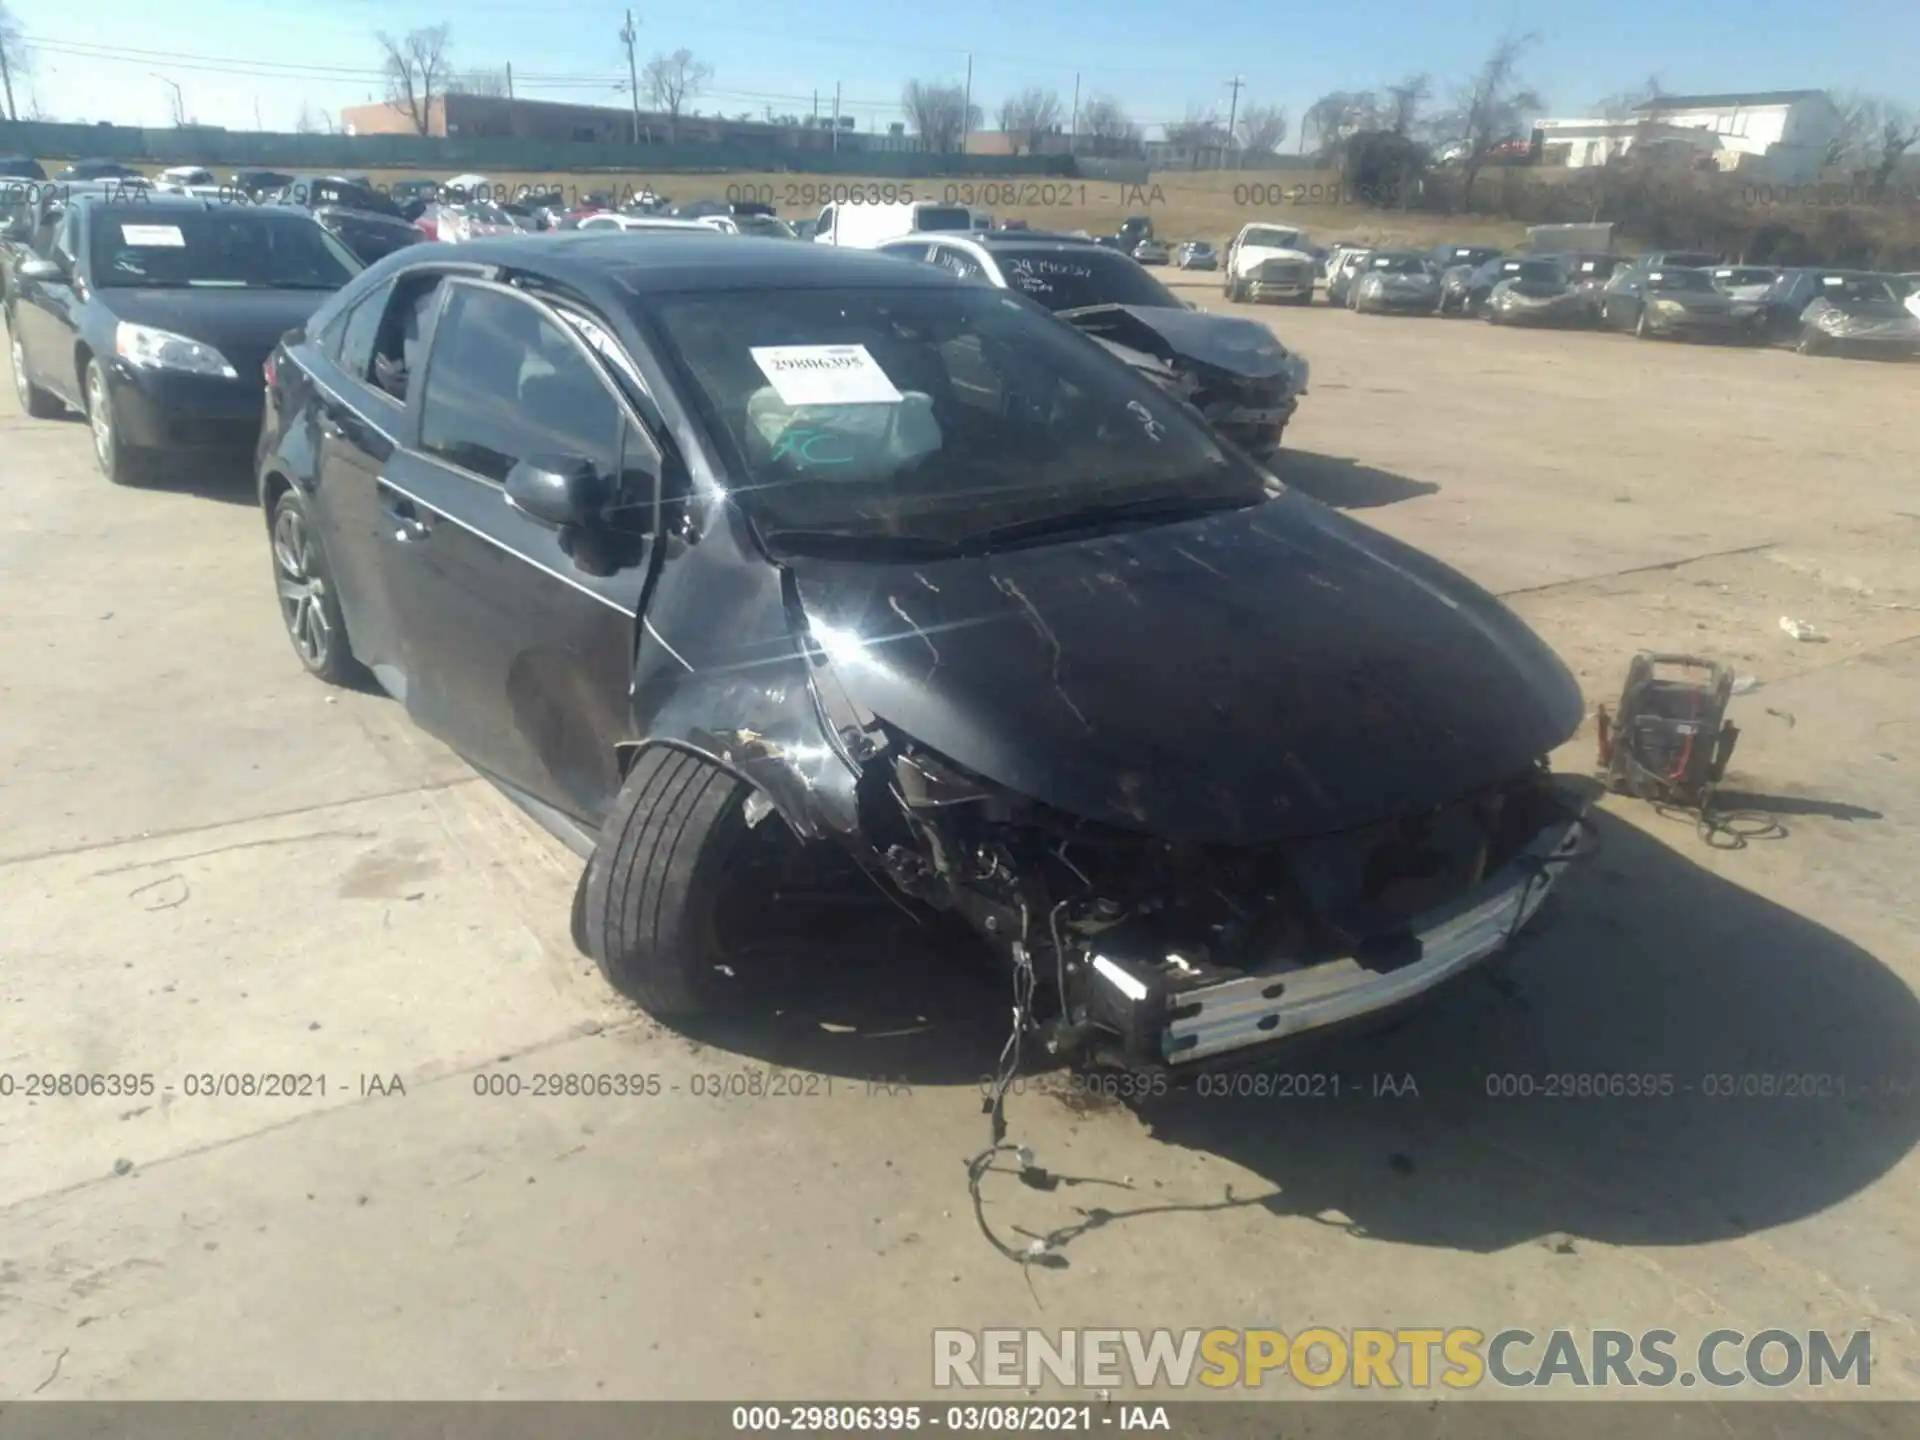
(966, 112)
(509, 79)
(816, 109)
(1233, 112)
(6, 81)
(627, 37)
(836, 116)
(1073, 125)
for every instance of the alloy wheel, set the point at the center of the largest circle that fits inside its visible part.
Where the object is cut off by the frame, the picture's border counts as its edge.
(302, 589)
(99, 418)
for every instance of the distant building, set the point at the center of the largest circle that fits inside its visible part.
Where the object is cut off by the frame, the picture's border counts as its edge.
(1781, 135)
(1014, 142)
(471, 117)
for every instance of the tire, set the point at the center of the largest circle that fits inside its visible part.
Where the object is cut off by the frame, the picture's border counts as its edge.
(122, 464)
(309, 604)
(654, 883)
(38, 403)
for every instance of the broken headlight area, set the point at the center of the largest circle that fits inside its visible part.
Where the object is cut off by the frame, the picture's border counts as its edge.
(1147, 952)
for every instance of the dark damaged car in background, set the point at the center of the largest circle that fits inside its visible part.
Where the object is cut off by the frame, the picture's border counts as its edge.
(1233, 371)
(706, 549)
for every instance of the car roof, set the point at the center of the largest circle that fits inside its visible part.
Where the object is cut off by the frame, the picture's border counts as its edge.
(163, 202)
(1014, 239)
(700, 258)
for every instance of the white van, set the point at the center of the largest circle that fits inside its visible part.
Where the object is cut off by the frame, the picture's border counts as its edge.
(865, 226)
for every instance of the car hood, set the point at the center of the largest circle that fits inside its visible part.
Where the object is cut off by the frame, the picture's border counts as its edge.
(1537, 290)
(1226, 342)
(243, 325)
(1248, 256)
(1241, 678)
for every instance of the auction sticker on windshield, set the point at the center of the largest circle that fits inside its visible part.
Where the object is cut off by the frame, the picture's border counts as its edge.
(167, 235)
(825, 375)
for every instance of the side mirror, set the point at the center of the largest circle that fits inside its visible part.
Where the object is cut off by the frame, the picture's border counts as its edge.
(38, 267)
(557, 490)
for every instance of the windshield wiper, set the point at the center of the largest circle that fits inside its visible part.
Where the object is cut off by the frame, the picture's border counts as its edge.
(1160, 509)
(852, 545)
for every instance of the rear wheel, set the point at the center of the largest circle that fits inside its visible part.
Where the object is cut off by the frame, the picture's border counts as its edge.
(36, 402)
(655, 882)
(309, 606)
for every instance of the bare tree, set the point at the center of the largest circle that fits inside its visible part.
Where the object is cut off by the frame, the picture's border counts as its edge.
(669, 81)
(416, 70)
(1899, 133)
(1201, 131)
(1028, 116)
(1859, 125)
(1103, 119)
(15, 62)
(1401, 112)
(1338, 115)
(305, 124)
(939, 113)
(478, 82)
(1263, 128)
(1489, 109)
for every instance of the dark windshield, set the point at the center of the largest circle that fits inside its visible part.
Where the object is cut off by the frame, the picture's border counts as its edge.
(1854, 288)
(1689, 259)
(1541, 272)
(1682, 280)
(315, 191)
(1747, 276)
(1399, 264)
(371, 239)
(1270, 238)
(1076, 276)
(224, 248)
(930, 414)
(945, 217)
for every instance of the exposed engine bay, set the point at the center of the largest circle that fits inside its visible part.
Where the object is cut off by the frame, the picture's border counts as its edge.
(1234, 372)
(1145, 952)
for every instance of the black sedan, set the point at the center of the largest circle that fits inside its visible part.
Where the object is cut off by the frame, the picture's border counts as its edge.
(154, 317)
(1674, 303)
(99, 170)
(1540, 292)
(259, 184)
(1455, 263)
(21, 167)
(1465, 292)
(711, 554)
(1242, 379)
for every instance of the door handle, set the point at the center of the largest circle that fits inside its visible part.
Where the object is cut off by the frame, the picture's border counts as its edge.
(409, 524)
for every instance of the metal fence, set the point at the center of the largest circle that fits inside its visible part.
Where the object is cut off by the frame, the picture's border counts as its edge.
(238, 149)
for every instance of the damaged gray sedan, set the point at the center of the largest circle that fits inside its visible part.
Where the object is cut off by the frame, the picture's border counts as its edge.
(1541, 292)
(1233, 371)
(698, 548)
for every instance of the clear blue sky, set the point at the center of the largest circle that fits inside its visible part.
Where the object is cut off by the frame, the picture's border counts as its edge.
(1159, 59)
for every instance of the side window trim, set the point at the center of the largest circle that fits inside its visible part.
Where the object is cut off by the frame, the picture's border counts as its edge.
(417, 391)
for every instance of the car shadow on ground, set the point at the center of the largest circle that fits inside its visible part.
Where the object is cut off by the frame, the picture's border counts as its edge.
(227, 478)
(1669, 1058)
(1346, 484)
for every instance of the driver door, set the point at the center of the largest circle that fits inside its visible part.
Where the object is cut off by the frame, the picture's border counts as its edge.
(517, 639)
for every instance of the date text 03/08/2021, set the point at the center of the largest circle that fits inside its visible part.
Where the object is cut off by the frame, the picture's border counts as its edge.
(961, 1419)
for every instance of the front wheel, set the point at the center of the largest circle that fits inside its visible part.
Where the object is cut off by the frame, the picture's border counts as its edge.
(654, 884)
(119, 462)
(38, 404)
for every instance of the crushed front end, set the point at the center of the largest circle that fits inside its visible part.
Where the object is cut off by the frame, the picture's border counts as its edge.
(1148, 954)
(1234, 372)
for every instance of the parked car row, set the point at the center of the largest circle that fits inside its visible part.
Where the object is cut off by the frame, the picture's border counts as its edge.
(1663, 294)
